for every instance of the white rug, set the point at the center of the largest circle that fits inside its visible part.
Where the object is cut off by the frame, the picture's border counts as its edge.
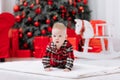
(79, 70)
(102, 55)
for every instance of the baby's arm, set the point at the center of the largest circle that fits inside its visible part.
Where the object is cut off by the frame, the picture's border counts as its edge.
(70, 59)
(48, 69)
(46, 59)
(66, 70)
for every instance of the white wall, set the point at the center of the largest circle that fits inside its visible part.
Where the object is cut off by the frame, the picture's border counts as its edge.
(116, 24)
(7, 5)
(0, 6)
(93, 9)
(98, 9)
(108, 10)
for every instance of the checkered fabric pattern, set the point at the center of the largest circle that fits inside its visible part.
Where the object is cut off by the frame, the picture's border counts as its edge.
(62, 58)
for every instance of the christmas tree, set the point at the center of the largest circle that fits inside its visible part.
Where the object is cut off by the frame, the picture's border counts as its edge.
(36, 17)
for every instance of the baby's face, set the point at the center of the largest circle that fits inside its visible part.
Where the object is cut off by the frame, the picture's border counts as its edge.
(58, 37)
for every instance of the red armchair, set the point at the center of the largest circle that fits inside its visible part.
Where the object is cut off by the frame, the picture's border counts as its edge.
(7, 20)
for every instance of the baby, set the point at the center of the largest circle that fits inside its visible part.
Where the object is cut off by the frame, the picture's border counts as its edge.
(59, 52)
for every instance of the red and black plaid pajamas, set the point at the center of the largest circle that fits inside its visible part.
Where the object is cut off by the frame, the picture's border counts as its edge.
(62, 58)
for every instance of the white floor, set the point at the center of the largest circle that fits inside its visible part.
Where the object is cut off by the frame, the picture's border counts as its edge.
(109, 62)
(8, 75)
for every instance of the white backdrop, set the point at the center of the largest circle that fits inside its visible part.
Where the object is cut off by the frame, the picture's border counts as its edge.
(7, 5)
(108, 10)
(0, 6)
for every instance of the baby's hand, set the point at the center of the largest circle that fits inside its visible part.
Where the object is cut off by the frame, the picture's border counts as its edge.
(48, 69)
(66, 70)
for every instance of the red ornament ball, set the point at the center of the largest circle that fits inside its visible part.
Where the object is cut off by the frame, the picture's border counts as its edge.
(29, 19)
(20, 35)
(23, 15)
(20, 30)
(50, 2)
(16, 8)
(85, 2)
(43, 31)
(62, 7)
(49, 28)
(37, 1)
(81, 8)
(36, 24)
(69, 18)
(55, 17)
(25, 4)
(74, 4)
(78, 0)
(38, 10)
(18, 18)
(63, 15)
(70, 2)
(25, 45)
(48, 21)
(64, 11)
(32, 5)
(29, 34)
(73, 12)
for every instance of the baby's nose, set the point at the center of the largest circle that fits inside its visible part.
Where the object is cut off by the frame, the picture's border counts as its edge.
(57, 38)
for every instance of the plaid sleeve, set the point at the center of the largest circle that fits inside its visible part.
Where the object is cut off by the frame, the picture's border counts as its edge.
(46, 57)
(46, 62)
(70, 59)
(69, 63)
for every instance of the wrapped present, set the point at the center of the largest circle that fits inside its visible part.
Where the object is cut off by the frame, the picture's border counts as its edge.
(40, 44)
(95, 49)
(23, 54)
(94, 22)
(71, 32)
(38, 53)
(99, 33)
(74, 42)
(95, 43)
(14, 43)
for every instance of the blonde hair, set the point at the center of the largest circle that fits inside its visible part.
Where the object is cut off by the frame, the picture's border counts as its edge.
(59, 26)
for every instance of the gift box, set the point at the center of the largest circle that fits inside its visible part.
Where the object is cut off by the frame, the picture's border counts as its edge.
(23, 54)
(40, 44)
(95, 43)
(94, 22)
(71, 32)
(98, 33)
(14, 43)
(74, 42)
(38, 53)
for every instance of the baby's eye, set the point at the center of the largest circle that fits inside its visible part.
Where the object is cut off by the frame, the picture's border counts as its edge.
(60, 35)
(54, 35)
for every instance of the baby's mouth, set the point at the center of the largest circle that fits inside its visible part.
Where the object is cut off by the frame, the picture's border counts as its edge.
(57, 41)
